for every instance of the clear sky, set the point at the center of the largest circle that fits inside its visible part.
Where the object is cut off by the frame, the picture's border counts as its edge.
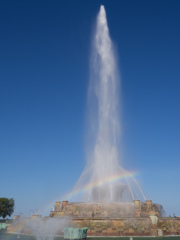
(44, 73)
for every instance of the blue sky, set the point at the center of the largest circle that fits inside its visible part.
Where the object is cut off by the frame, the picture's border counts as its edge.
(44, 73)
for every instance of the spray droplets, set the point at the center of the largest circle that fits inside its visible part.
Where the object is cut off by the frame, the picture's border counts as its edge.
(104, 157)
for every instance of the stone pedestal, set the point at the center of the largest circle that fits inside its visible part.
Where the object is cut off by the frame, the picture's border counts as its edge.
(154, 219)
(57, 206)
(149, 205)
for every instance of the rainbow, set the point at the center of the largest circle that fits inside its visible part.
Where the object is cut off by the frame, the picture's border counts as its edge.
(110, 179)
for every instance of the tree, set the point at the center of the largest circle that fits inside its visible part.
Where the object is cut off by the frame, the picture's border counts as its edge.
(6, 207)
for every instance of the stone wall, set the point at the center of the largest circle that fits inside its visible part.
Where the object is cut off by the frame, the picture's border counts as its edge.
(113, 219)
(106, 226)
(169, 225)
(138, 226)
(114, 226)
(105, 209)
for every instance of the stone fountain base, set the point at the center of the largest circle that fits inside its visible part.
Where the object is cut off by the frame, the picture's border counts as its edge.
(109, 219)
(118, 219)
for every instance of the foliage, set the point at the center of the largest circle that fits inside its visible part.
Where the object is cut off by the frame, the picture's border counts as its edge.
(6, 207)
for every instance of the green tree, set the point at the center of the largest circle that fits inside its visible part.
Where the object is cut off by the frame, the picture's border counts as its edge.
(6, 207)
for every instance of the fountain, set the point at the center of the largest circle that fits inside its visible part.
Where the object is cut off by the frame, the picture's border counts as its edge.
(104, 179)
(104, 198)
(108, 193)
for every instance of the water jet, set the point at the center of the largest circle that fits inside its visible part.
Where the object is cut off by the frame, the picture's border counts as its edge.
(104, 179)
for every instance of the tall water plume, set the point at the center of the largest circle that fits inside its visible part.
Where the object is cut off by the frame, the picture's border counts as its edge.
(103, 178)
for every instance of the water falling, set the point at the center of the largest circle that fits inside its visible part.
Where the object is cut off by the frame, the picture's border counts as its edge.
(103, 179)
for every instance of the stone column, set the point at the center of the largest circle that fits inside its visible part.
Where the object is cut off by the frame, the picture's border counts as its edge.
(57, 206)
(64, 203)
(149, 205)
